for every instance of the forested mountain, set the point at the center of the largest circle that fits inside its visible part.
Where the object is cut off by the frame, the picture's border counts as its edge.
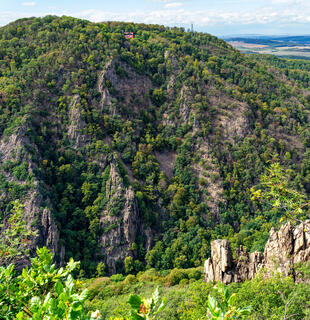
(143, 150)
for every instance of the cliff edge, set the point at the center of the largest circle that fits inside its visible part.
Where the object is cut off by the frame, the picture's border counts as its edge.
(285, 248)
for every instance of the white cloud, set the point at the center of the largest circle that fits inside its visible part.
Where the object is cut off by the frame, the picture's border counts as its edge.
(173, 5)
(8, 16)
(29, 4)
(202, 18)
(173, 14)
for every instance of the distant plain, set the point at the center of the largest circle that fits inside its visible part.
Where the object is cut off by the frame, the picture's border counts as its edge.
(297, 47)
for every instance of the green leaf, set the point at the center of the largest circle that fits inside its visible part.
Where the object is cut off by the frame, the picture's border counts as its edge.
(84, 295)
(232, 299)
(135, 302)
(246, 310)
(47, 299)
(35, 301)
(135, 316)
(155, 296)
(226, 294)
(59, 287)
(77, 306)
(70, 283)
(211, 304)
(63, 296)
(162, 305)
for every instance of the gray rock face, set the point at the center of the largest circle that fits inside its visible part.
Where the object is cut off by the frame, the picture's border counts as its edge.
(120, 221)
(76, 124)
(50, 232)
(222, 254)
(185, 104)
(285, 248)
(37, 210)
(127, 84)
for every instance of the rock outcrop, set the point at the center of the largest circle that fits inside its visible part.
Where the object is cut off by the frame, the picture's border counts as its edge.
(285, 248)
(120, 78)
(119, 222)
(37, 209)
(76, 124)
(209, 182)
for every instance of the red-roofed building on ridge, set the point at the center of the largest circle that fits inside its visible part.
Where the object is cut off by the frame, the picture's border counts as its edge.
(128, 35)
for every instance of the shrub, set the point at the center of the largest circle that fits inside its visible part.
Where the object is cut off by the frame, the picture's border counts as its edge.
(41, 292)
(175, 276)
(100, 269)
(130, 279)
(183, 282)
(117, 277)
(148, 275)
(195, 274)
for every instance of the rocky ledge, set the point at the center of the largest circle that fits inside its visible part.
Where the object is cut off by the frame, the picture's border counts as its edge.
(284, 248)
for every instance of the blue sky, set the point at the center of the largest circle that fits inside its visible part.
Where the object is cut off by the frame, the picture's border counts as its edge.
(219, 17)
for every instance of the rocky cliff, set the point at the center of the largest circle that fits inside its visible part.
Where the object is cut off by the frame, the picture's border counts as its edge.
(119, 222)
(285, 248)
(142, 147)
(19, 172)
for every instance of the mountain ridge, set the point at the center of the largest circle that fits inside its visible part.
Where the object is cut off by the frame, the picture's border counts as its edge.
(145, 148)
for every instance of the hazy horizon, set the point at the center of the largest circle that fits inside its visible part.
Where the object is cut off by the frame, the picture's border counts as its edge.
(222, 18)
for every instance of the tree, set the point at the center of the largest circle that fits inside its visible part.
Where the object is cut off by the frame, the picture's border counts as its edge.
(16, 236)
(100, 269)
(277, 190)
(41, 292)
(129, 265)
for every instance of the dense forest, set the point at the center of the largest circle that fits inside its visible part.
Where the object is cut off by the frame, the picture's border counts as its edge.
(137, 153)
(131, 156)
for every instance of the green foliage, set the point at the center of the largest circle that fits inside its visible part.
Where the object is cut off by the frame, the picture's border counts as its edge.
(181, 116)
(275, 298)
(158, 97)
(279, 193)
(175, 276)
(225, 309)
(100, 270)
(147, 309)
(270, 298)
(16, 237)
(41, 292)
(117, 277)
(129, 265)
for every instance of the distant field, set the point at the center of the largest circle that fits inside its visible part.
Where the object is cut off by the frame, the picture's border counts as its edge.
(297, 47)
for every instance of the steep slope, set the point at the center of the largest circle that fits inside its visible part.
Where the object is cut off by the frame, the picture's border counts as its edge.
(142, 148)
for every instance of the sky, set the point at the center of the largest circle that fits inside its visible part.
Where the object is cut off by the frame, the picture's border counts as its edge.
(218, 17)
